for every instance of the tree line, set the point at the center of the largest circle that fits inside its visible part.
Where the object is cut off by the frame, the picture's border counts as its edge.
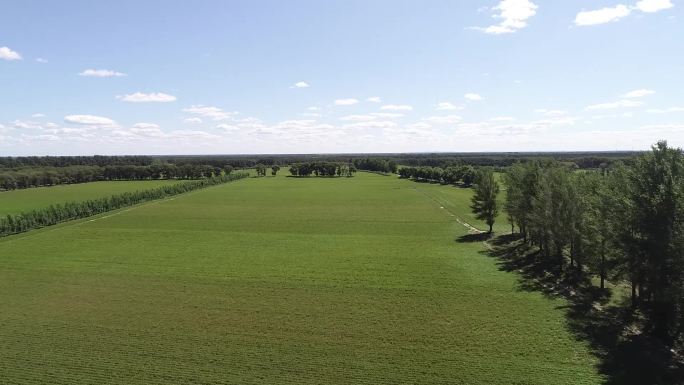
(327, 169)
(450, 175)
(54, 214)
(27, 177)
(623, 223)
(386, 166)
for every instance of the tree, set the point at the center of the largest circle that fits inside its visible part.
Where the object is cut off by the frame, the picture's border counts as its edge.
(468, 175)
(274, 169)
(260, 169)
(484, 203)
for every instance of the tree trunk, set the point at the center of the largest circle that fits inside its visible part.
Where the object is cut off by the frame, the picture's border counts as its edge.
(490, 229)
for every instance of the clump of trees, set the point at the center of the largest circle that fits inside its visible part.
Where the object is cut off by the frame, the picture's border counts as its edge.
(621, 223)
(450, 175)
(483, 202)
(35, 219)
(326, 169)
(378, 165)
(274, 169)
(27, 177)
(260, 170)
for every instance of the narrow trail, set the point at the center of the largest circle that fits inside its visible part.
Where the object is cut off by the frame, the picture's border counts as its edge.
(444, 206)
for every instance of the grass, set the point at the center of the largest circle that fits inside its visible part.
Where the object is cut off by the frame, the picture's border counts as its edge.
(16, 201)
(278, 281)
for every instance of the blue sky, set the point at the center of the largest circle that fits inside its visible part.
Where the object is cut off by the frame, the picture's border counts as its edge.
(172, 77)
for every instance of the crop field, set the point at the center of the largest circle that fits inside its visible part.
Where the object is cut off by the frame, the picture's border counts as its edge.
(278, 281)
(16, 201)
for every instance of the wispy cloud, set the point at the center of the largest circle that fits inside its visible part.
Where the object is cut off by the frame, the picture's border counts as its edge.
(374, 99)
(90, 120)
(447, 106)
(638, 93)
(209, 112)
(513, 15)
(619, 11)
(301, 85)
(93, 73)
(154, 97)
(396, 107)
(346, 102)
(614, 105)
(473, 97)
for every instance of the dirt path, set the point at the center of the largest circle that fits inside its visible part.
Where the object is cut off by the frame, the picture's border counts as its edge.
(471, 229)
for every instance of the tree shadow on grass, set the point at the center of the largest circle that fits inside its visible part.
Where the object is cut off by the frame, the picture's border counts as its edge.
(626, 357)
(474, 237)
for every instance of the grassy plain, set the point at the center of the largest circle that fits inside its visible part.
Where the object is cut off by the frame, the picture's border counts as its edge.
(16, 201)
(278, 281)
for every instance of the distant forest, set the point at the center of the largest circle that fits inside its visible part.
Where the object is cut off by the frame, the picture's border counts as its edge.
(34, 171)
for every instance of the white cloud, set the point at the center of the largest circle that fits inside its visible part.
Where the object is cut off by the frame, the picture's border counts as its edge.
(447, 106)
(446, 119)
(346, 102)
(513, 15)
(101, 73)
(228, 127)
(8, 54)
(145, 125)
(638, 93)
(614, 105)
(38, 115)
(358, 118)
(473, 97)
(374, 99)
(41, 60)
(192, 120)
(603, 15)
(147, 129)
(314, 108)
(154, 97)
(387, 115)
(546, 112)
(650, 6)
(665, 110)
(372, 124)
(419, 126)
(503, 119)
(396, 107)
(89, 120)
(301, 85)
(209, 112)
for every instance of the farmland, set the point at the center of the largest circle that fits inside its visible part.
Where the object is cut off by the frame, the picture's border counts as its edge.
(278, 280)
(16, 201)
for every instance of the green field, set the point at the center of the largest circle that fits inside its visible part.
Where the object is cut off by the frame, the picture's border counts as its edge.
(278, 281)
(16, 201)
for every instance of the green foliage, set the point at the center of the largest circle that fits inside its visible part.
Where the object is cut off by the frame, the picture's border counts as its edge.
(484, 201)
(324, 169)
(622, 222)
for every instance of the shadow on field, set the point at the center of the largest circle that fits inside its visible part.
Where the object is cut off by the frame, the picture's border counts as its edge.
(626, 356)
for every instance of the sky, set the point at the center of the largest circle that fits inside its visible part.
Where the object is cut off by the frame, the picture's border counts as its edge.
(298, 76)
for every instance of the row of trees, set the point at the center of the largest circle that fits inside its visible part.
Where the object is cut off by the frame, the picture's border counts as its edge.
(375, 164)
(329, 169)
(623, 223)
(449, 175)
(35, 219)
(50, 176)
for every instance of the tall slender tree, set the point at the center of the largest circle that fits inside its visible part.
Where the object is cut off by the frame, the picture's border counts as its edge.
(484, 204)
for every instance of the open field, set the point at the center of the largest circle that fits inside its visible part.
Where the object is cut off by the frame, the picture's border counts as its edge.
(16, 201)
(278, 281)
